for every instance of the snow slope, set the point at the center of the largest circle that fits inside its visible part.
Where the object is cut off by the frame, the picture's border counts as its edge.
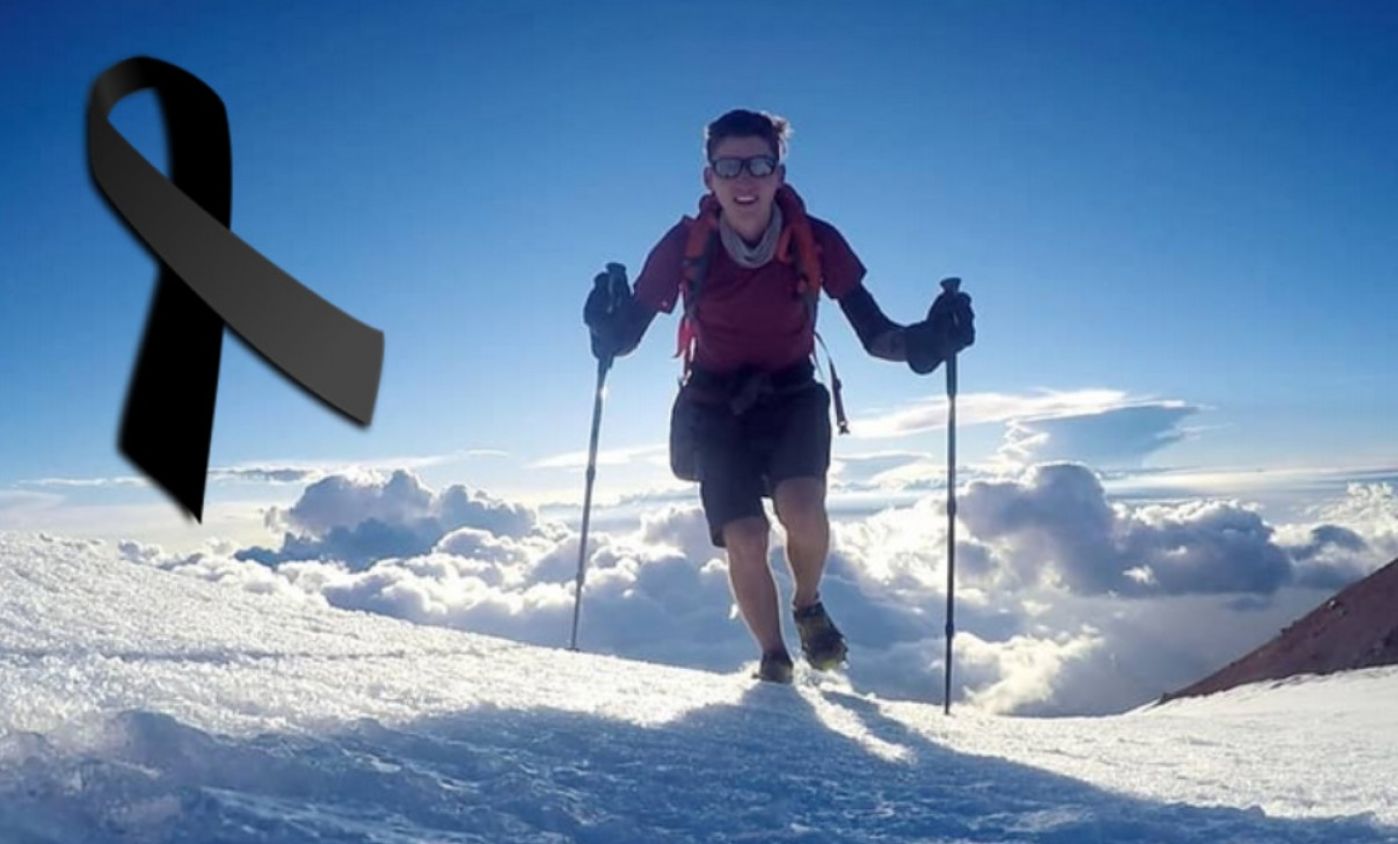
(139, 705)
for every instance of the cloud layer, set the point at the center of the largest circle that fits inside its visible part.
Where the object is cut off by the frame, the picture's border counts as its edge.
(357, 519)
(1055, 526)
(1118, 437)
(1066, 601)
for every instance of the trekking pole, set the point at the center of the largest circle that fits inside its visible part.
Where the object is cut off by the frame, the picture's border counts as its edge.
(616, 276)
(950, 286)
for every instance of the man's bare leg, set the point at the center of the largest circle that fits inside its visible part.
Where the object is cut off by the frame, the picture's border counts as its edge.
(800, 504)
(751, 579)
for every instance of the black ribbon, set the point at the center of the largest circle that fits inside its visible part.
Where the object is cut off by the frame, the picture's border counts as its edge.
(208, 278)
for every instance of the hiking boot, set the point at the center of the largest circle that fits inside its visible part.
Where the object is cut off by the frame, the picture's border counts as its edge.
(821, 641)
(775, 668)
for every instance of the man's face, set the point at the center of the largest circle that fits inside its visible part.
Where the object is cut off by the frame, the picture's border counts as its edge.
(746, 199)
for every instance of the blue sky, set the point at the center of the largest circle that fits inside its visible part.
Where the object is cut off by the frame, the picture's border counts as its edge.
(1189, 208)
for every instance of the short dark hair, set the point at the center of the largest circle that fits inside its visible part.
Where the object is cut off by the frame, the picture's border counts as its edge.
(741, 123)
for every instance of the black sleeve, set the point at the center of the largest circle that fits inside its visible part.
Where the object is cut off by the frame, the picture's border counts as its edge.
(881, 336)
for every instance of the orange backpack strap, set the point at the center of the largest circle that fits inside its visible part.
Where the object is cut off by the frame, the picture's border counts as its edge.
(811, 280)
(698, 250)
(798, 232)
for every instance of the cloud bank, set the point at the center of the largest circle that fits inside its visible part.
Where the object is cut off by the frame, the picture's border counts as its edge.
(1119, 437)
(1067, 601)
(358, 519)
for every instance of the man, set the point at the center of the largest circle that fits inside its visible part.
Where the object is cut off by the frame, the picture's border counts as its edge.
(751, 421)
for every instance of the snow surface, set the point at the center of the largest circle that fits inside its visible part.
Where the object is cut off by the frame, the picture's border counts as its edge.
(140, 705)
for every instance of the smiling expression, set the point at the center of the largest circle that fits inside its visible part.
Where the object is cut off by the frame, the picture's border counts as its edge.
(746, 200)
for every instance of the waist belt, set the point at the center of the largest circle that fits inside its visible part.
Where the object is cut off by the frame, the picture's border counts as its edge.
(743, 388)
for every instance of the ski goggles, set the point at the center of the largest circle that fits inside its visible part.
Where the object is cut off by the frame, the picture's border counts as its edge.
(732, 167)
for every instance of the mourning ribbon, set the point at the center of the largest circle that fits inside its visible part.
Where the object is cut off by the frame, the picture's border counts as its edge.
(208, 278)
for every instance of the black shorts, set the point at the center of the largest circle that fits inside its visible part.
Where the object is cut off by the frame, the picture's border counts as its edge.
(741, 457)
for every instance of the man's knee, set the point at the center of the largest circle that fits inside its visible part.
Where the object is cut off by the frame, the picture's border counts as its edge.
(801, 506)
(746, 539)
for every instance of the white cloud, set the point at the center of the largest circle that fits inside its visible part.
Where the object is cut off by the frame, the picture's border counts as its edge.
(680, 528)
(1103, 428)
(651, 454)
(1120, 436)
(864, 466)
(480, 544)
(1022, 671)
(1305, 483)
(1354, 532)
(369, 515)
(1056, 521)
(1066, 602)
(887, 471)
(345, 501)
(215, 564)
(267, 474)
(124, 480)
(283, 471)
(19, 502)
(1369, 509)
(981, 408)
(306, 471)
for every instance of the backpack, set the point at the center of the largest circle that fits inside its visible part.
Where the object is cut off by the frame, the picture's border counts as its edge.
(796, 245)
(703, 239)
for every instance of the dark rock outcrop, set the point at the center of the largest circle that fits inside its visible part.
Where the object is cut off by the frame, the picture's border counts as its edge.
(1356, 628)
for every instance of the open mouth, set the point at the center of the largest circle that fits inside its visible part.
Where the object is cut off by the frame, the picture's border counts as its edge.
(745, 200)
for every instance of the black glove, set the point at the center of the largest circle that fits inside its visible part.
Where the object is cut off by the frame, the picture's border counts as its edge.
(950, 327)
(603, 309)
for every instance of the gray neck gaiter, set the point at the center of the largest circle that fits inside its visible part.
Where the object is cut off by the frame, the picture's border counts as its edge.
(752, 257)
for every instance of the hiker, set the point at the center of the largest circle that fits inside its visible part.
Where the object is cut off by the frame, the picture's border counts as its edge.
(751, 420)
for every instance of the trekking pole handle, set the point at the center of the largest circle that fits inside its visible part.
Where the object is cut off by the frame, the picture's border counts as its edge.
(615, 291)
(617, 288)
(614, 285)
(951, 286)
